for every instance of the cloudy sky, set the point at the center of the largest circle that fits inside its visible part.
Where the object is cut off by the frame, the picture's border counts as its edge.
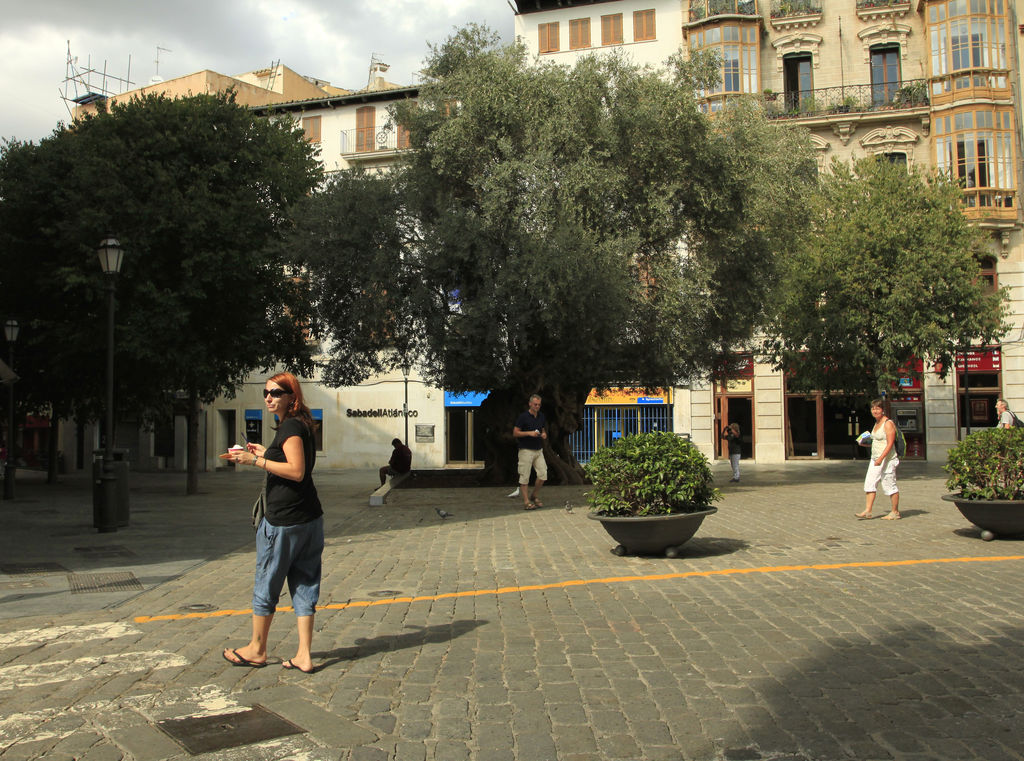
(328, 39)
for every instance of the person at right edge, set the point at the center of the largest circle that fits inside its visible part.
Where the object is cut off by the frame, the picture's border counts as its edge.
(731, 433)
(1005, 416)
(290, 538)
(883, 463)
(530, 434)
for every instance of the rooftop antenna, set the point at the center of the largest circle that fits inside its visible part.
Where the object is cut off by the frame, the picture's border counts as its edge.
(156, 77)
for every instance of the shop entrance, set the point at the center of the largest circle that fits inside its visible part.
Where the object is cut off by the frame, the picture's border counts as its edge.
(735, 409)
(824, 428)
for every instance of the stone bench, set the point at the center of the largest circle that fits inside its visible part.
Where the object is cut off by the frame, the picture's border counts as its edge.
(380, 496)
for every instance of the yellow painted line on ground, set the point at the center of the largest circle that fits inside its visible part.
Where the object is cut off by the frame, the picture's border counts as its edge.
(585, 582)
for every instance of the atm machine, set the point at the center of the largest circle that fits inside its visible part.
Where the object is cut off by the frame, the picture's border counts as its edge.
(909, 418)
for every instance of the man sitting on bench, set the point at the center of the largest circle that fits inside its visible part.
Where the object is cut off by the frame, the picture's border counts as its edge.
(400, 462)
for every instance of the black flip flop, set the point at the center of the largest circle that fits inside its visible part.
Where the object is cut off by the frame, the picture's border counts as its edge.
(241, 661)
(292, 667)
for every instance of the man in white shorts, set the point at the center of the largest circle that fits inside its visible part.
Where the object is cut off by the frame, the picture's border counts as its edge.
(530, 434)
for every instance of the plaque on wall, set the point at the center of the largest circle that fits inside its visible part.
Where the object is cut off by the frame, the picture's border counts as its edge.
(424, 434)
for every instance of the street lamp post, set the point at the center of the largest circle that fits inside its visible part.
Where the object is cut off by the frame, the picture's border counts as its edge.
(11, 330)
(105, 512)
(405, 407)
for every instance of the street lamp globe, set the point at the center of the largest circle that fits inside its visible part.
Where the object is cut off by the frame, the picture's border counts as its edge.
(11, 330)
(111, 254)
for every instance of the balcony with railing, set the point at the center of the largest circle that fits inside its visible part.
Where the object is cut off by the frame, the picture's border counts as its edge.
(850, 99)
(790, 8)
(873, 10)
(705, 9)
(365, 143)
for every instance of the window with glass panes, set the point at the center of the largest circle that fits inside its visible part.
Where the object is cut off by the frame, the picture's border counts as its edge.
(885, 73)
(737, 47)
(965, 35)
(976, 147)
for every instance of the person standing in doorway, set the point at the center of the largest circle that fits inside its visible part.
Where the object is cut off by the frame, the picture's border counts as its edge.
(290, 538)
(530, 433)
(731, 433)
(883, 463)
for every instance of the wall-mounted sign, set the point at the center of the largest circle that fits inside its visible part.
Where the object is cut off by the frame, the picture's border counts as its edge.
(424, 434)
(380, 412)
(465, 399)
(629, 396)
(980, 360)
(254, 426)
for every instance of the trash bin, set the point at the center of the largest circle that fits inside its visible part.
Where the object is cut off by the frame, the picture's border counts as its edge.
(110, 506)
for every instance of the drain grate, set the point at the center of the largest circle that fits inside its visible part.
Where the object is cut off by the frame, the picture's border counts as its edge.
(384, 593)
(205, 734)
(124, 581)
(18, 569)
(106, 551)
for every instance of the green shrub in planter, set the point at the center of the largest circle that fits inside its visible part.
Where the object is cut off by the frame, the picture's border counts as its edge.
(988, 464)
(656, 473)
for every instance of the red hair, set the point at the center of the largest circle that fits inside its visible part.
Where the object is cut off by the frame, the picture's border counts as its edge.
(298, 407)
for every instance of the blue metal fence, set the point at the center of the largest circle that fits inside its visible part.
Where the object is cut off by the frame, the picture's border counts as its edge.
(604, 424)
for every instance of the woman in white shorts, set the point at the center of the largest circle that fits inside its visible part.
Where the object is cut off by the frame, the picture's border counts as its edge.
(882, 467)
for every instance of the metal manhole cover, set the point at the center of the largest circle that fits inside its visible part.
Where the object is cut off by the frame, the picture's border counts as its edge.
(384, 593)
(106, 551)
(205, 734)
(17, 569)
(198, 607)
(123, 581)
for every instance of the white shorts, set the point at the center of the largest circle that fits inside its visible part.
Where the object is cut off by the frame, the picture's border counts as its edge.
(884, 473)
(532, 458)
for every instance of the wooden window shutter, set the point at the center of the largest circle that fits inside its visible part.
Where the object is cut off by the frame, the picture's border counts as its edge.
(643, 25)
(579, 33)
(311, 126)
(548, 41)
(365, 118)
(611, 29)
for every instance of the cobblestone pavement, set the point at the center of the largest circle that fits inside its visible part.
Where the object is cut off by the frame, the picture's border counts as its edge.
(787, 629)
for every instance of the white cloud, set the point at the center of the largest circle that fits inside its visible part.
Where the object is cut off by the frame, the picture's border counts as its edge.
(329, 39)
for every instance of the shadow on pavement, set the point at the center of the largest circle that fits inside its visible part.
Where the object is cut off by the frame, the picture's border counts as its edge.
(422, 635)
(918, 692)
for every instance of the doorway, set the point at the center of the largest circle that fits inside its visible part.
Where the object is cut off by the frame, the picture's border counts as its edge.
(226, 434)
(465, 436)
(736, 409)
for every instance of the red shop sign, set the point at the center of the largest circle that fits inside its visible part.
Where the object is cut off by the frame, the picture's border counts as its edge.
(980, 360)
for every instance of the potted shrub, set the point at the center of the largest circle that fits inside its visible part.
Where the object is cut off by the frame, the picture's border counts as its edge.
(986, 474)
(651, 492)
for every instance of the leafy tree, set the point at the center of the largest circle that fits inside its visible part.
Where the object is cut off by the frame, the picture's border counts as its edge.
(889, 274)
(194, 189)
(558, 229)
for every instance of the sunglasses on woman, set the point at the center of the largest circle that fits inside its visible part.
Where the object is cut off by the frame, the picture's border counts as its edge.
(277, 393)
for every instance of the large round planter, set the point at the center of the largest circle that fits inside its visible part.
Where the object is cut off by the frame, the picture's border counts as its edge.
(995, 517)
(652, 534)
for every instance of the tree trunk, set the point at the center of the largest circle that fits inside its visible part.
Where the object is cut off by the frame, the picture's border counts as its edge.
(192, 478)
(563, 409)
